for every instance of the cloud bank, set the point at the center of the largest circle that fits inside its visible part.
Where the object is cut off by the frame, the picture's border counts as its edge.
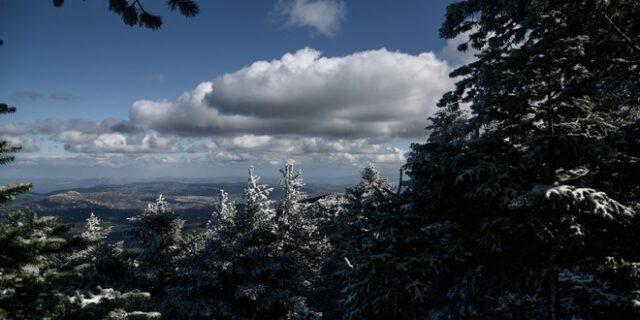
(365, 106)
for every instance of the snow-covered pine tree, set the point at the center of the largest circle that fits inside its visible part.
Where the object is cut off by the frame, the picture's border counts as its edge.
(260, 288)
(38, 279)
(331, 276)
(300, 244)
(371, 194)
(87, 243)
(94, 232)
(386, 262)
(204, 263)
(157, 231)
(103, 269)
(346, 230)
(29, 247)
(537, 183)
(30, 281)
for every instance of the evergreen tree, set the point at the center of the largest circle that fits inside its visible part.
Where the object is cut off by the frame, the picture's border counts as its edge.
(389, 273)
(534, 184)
(204, 265)
(37, 282)
(299, 240)
(101, 264)
(133, 12)
(157, 231)
(30, 281)
(94, 232)
(326, 212)
(261, 286)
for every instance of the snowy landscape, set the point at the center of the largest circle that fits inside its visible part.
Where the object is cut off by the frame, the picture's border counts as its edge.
(320, 159)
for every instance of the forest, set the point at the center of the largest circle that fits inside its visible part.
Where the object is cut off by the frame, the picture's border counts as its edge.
(523, 202)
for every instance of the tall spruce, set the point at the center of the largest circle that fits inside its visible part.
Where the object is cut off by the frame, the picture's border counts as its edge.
(157, 232)
(203, 287)
(300, 243)
(30, 281)
(537, 182)
(262, 286)
(388, 271)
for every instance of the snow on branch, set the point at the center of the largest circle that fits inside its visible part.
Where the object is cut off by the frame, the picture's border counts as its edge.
(587, 200)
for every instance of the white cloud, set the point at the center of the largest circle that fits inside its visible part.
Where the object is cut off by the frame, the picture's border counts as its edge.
(47, 126)
(110, 136)
(374, 94)
(325, 16)
(276, 148)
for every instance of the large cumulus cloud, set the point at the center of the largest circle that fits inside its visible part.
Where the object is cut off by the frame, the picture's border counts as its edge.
(370, 94)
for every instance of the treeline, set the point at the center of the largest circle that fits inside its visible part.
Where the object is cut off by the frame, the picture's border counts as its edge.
(285, 259)
(523, 203)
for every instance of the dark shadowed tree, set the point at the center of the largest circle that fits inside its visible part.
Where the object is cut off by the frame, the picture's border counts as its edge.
(157, 231)
(538, 181)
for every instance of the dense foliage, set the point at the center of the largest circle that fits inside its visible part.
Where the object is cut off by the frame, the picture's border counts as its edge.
(532, 161)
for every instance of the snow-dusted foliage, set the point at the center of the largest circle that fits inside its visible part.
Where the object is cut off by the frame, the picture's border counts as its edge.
(28, 266)
(587, 201)
(157, 231)
(94, 231)
(111, 304)
(292, 185)
(384, 263)
(267, 281)
(224, 212)
(538, 180)
(259, 208)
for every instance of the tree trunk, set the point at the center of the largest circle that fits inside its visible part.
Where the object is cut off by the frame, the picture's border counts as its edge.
(553, 295)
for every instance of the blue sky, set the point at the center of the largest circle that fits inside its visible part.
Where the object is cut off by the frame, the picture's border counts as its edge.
(193, 99)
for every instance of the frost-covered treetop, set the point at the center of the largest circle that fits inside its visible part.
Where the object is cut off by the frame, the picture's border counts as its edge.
(257, 195)
(157, 221)
(292, 188)
(370, 174)
(160, 206)
(224, 212)
(93, 231)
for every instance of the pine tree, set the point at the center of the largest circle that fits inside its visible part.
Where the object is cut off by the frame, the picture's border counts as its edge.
(388, 271)
(157, 231)
(9, 193)
(261, 286)
(29, 279)
(535, 182)
(133, 12)
(38, 279)
(299, 240)
(38, 274)
(326, 212)
(101, 264)
(203, 265)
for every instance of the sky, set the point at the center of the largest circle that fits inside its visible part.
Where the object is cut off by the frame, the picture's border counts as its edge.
(329, 84)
